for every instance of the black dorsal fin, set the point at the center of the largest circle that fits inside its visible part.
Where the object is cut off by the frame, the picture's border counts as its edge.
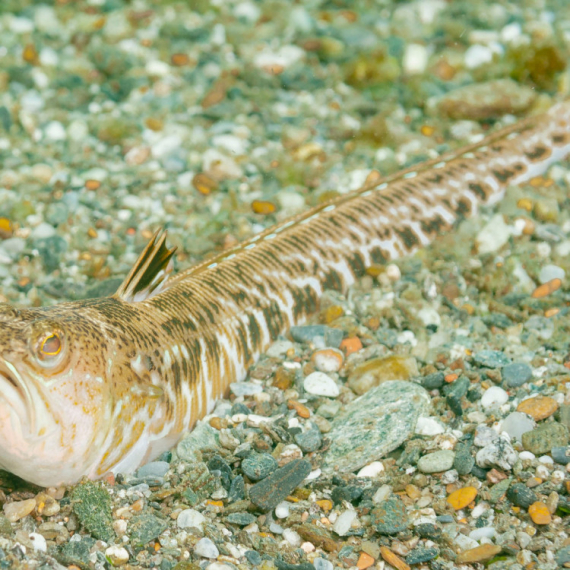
(150, 273)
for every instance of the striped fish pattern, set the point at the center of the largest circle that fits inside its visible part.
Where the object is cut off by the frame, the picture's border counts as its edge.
(123, 377)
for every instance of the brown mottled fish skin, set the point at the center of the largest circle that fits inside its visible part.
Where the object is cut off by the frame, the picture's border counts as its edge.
(163, 357)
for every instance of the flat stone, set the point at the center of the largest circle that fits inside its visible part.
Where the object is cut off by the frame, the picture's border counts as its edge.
(267, 494)
(437, 461)
(516, 374)
(320, 384)
(478, 554)
(421, 555)
(379, 370)
(375, 424)
(491, 358)
(390, 516)
(539, 407)
(521, 496)
(317, 334)
(464, 461)
(241, 519)
(543, 438)
(257, 466)
(206, 548)
(153, 469)
(145, 527)
(202, 437)
(561, 454)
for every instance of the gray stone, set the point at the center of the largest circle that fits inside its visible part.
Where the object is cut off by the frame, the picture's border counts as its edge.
(374, 424)
(309, 440)
(267, 494)
(258, 466)
(500, 454)
(145, 527)
(464, 461)
(546, 436)
(153, 469)
(390, 516)
(491, 358)
(437, 461)
(327, 336)
(516, 374)
(561, 454)
(202, 437)
(241, 519)
(521, 496)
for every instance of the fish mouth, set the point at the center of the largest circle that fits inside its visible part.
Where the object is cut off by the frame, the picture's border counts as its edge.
(16, 393)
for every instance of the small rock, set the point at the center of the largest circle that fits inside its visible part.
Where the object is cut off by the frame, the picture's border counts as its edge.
(542, 327)
(491, 359)
(521, 496)
(254, 557)
(464, 461)
(561, 455)
(344, 521)
(390, 516)
(550, 272)
(516, 424)
(538, 408)
(282, 510)
(269, 492)
(371, 470)
(245, 388)
(478, 554)
(543, 438)
(317, 334)
(433, 381)
(516, 374)
(206, 548)
(117, 555)
(420, 555)
(153, 469)
(257, 466)
(189, 518)
(38, 542)
(379, 370)
(374, 424)
(500, 454)
(319, 384)
(437, 461)
(460, 498)
(328, 359)
(19, 509)
(539, 513)
(494, 397)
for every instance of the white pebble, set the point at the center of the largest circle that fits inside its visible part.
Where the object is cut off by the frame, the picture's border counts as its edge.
(381, 494)
(319, 384)
(415, 59)
(38, 542)
(526, 455)
(393, 272)
(429, 426)
(494, 397)
(372, 469)
(494, 235)
(477, 55)
(117, 555)
(542, 472)
(517, 423)
(189, 518)
(328, 360)
(292, 537)
(482, 532)
(55, 131)
(157, 68)
(344, 522)
(550, 272)
(282, 510)
(206, 548)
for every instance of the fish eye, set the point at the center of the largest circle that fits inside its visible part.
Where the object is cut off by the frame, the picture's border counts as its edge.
(50, 345)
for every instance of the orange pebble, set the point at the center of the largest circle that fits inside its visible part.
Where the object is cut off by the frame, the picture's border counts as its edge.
(263, 207)
(449, 378)
(325, 504)
(392, 559)
(301, 410)
(546, 288)
(538, 408)
(180, 59)
(462, 497)
(350, 345)
(92, 184)
(427, 130)
(204, 184)
(364, 561)
(539, 513)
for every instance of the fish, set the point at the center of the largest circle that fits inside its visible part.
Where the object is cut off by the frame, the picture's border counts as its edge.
(101, 386)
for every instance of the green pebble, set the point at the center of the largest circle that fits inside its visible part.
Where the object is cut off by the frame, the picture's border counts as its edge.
(241, 519)
(146, 527)
(491, 358)
(92, 505)
(390, 516)
(436, 462)
(544, 437)
(464, 461)
(77, 552)
(258, 466)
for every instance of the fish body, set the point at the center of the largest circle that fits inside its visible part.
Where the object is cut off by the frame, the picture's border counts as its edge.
(101, 386)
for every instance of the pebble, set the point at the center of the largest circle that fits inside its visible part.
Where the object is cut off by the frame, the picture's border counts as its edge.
(189, 518)
(494, 397)
(491, 359)
(436, 462)
(18, 509)
(328, 359)
(371, 470)
(117, 555)
(378, 370)
(344, 521)
(38, 542)
(521, 496)
(322, 564)
(460, 498)
(539, 513)
(390, 516)
(153, 469)
(550, 272)
(319, 384)
(561, 455)
(393, 559)
(317, 334)
(516, 374)
(544, 437)
(539, 407)
(257, 466)
(420, 555)
(206, 548)
(478, 554)
(272, 490)
(500, 454)
(310, 439)
(389, 412)
(516, 424)
(282, 510)
(245, 388)
(254, 557)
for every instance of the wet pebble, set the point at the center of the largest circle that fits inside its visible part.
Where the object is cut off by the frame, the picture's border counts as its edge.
(491, 359)
(494, 397)
(257, 466)
(436, 462)
(189, 518)
(544, 437)
(319, 384)
(390, 516)
(521, 496)
(153, 469)
(516, 424)
(561, 454)
(516, 374)
(550, 272)
(317, 334)
(19, 509)
(206, 548)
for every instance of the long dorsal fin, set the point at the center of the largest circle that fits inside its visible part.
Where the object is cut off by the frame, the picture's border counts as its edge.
(149, 274)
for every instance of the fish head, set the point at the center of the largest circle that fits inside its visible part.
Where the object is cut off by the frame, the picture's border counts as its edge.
(55, 396)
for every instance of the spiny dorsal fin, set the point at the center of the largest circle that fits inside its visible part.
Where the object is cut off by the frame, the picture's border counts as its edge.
(149, 274)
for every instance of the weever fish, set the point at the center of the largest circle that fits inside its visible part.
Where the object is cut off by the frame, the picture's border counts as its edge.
(103, 385)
